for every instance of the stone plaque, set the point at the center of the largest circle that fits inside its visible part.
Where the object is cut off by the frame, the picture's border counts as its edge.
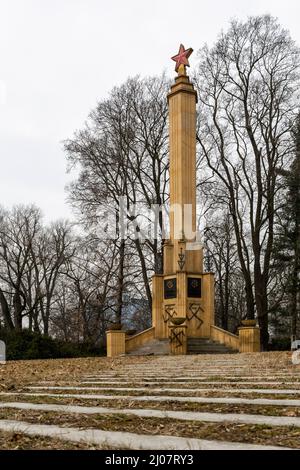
(194, 287)
(2, 352)
(170, 288)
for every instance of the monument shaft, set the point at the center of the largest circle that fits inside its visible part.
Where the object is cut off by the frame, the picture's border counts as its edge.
(182, 130)
(182, 101)
(183, 291)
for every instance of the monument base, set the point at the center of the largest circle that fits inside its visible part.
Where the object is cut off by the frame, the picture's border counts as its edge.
(185, 295)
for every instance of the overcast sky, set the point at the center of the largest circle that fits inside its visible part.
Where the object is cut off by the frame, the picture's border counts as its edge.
(59, 57)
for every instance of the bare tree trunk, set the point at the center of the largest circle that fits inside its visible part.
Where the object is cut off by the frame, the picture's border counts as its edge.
(294, 297)
(144, 272)
(46, 324)
(261, 299)
(6, 312)
(296, 267)
(18, 310)
(226, 292)
(120, 282)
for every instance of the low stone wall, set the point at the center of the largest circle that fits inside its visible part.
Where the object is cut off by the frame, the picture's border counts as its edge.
(135, 341)
(224, 337)
(247, 341)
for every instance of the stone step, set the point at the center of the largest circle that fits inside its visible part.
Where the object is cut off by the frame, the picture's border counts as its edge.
(161, 398)
(126, 440)
(153, 348)
(195, 346)
(203, 341)
(210, 350)
(161, 414)
(207, 346)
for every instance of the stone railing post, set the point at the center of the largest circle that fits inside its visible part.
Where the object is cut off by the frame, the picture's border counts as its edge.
(177, 339)
(249, 337)
(115, 343)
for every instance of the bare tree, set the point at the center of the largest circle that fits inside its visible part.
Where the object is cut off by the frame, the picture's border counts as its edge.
(247, 88)
(18, 231)
(52, 250)
(221, 258)
(123, 152)
(92, 273)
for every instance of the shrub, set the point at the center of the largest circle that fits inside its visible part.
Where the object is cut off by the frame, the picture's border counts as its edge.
(26, 344)
(280, 343)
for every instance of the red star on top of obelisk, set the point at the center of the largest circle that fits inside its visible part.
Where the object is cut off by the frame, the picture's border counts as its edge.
(182, 57)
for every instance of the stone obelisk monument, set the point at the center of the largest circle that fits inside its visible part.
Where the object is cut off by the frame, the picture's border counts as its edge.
(183, 296)
(184, 291)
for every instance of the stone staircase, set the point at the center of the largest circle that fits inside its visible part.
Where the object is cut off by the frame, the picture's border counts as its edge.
(152, 348)
(207, 346)
(195, 346)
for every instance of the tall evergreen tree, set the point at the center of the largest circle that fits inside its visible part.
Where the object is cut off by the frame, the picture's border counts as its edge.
(287, 251)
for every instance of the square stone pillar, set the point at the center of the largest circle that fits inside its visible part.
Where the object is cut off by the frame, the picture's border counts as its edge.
(249, 339)
(177, 339)
(157, 305)
(115, 343)
(208, 281)
(169, 258)
(181, 304)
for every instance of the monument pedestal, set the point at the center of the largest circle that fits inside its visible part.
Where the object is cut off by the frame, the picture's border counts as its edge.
(185, 295)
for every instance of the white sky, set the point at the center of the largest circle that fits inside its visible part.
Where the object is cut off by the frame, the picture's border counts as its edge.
(59, 57)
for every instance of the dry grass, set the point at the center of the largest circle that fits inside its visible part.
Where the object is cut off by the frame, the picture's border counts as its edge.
(268, 410)
(149, 393)
(258, 434)
(19, 373)
(18, 441)
(16, 375)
